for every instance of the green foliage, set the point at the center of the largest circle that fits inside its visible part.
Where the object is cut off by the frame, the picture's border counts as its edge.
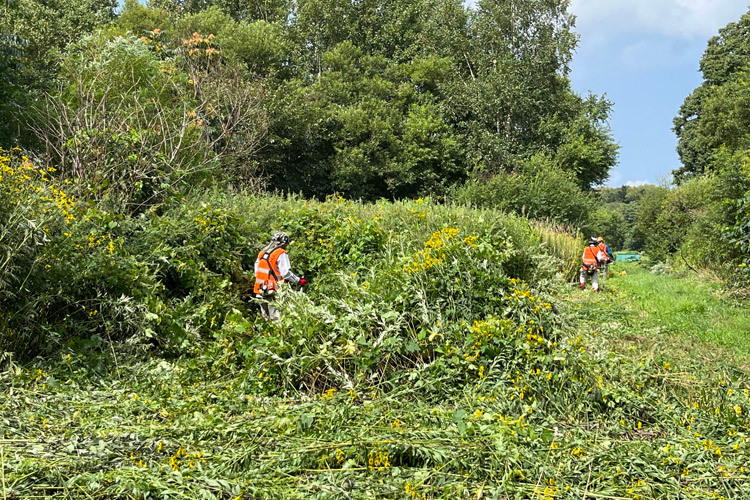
(260, 45)
(272, 11)
(723, 122)
(345, 121)
(715, 114)
(140, 19)
(579, 139)
(739, 235)
(695, 223)
(628, 216)
(680, 209)
(49, 25)
(609, 224)
(732, 214)
(412, 307)
(431, 355)
(391, 29)
(137, 121)
(120, 128)
(62, 276)
(363, 129)
(515, 74)
(541, 190)
(705, 216)
(564, 243)
(645, 225)
(30, 205)
(12, 49)
(370, 99)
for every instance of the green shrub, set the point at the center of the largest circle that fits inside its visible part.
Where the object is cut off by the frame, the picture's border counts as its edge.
(139, 120)
(541, 191)
(609, 224)
(32, 212)
(74, 273)
(120, 127)
(260, 45)
(398, 287)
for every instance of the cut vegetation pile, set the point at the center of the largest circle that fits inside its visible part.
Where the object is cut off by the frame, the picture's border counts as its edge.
(436, 355)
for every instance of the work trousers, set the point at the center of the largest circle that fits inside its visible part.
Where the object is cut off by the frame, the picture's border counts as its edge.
(594, 278)
(269, 312)
(604, 267)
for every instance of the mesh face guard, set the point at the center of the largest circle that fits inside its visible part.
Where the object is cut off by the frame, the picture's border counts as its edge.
(280, 238)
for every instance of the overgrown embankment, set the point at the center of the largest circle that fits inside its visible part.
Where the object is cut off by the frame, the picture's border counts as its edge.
(168, 279)
(436, 355)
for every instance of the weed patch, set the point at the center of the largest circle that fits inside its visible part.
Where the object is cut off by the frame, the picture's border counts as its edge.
(437, 354)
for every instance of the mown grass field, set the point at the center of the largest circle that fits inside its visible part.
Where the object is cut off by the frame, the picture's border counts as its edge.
(643, 406)
(690, 307)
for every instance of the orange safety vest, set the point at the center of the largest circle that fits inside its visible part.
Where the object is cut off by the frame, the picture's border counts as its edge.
(590, 256)
(603, 248)
(268, 277)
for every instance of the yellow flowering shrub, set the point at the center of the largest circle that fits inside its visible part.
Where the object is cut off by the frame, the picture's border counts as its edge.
(32, 210)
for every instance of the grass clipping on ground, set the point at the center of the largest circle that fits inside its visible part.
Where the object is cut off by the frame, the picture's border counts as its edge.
(603, 404)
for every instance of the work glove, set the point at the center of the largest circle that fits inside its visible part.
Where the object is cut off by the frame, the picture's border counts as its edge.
(302, 282)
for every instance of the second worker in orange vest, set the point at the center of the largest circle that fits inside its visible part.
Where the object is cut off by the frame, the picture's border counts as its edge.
(592, 256)
(272, 268)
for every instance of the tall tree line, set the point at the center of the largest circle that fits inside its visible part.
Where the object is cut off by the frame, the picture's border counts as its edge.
(369, 99)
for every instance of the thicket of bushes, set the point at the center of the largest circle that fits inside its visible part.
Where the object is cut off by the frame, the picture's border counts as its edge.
(402, 274)
(700, 225)
(311, 97)
(539, 190)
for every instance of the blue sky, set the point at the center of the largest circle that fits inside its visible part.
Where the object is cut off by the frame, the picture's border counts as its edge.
(644, 55)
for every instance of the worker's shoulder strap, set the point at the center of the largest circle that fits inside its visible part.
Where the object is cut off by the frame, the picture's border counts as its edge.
(276, 254)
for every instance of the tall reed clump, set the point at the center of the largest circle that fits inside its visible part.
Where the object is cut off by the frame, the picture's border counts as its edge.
(563, 242)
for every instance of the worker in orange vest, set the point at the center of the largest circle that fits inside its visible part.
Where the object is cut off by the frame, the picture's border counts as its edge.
(592, 256)
(272, 268)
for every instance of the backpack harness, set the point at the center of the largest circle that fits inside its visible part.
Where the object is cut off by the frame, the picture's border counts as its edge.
(266, 278)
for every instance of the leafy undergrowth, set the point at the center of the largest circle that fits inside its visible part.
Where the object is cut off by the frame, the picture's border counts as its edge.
(618, 406)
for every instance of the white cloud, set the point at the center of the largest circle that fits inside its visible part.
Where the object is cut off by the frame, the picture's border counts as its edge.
(602, 19)
(616, 180)
(636, 183)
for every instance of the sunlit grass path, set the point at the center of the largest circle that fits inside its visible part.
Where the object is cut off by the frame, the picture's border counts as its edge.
(686, 312)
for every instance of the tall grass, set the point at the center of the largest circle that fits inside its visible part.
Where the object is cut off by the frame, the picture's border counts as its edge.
(564, 242)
